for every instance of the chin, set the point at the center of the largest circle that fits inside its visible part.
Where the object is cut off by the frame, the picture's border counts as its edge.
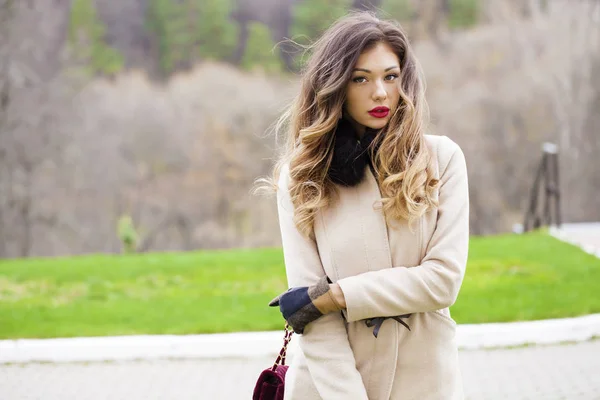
(377, 124)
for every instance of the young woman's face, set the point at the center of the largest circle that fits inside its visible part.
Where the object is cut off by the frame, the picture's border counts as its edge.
(372, 94)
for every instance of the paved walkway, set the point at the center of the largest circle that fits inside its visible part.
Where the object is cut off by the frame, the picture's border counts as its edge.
(569, 372)
(586, 235)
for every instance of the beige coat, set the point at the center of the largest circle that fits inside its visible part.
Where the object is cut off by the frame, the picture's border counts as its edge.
(383, 271)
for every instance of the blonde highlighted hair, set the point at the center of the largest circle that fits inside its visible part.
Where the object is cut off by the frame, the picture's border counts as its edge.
(402, 163)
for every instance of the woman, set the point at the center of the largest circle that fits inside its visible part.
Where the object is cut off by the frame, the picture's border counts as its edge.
(374, 218)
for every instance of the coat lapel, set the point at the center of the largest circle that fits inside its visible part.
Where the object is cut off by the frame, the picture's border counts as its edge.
(353, 239)
(355, 230)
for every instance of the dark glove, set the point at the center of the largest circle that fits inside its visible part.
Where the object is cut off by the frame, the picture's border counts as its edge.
(378, 321)
(302, 305)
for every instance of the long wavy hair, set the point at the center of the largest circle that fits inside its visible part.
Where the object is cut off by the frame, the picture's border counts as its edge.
(402, 162)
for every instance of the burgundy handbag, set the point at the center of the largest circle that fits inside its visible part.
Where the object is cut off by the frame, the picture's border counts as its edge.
(270, 384)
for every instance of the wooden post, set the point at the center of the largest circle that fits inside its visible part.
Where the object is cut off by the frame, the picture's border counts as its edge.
(547, 175)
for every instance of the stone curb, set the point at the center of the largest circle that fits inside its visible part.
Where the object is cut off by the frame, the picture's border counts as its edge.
(268, 344)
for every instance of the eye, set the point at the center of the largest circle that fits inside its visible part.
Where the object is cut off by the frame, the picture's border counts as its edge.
(358, 79)
(394, 76)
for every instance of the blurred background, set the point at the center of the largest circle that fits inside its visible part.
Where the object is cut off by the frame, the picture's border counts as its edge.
(140, 125)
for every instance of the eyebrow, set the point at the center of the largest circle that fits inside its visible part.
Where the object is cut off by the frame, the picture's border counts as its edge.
(368, 71)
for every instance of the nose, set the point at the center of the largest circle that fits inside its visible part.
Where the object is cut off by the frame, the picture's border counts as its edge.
(379, 92)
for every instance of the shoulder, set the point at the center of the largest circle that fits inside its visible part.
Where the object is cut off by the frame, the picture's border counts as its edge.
(284, 176)
(445, 150)
(283, 187)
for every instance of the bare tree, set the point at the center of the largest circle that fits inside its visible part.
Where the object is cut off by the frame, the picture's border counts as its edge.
(6, 16)
(569, 78)
(32, 34)
(277, 15)
(429, 19)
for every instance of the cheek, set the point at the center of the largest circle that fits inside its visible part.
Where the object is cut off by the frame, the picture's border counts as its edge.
(353, 100)
(351, 96)
(394, 94)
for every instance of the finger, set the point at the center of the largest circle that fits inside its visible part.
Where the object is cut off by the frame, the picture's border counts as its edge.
(274, 302)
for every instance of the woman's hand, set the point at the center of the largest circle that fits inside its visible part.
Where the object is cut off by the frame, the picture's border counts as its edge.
(302, 305)
(338, 295)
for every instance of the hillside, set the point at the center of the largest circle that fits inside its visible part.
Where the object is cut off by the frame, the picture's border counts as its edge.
(179, 153)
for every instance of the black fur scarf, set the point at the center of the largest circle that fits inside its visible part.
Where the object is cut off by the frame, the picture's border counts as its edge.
(350, 155)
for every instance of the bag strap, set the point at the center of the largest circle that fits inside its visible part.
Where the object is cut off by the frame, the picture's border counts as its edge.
(282, 353)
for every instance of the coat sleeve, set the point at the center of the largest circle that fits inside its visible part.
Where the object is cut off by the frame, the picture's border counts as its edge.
(325, 344)
(435, 283)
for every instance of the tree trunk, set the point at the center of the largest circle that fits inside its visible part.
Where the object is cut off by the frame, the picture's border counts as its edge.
(281, 32)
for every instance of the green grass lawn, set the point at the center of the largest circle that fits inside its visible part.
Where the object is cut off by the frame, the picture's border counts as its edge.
(509, 277)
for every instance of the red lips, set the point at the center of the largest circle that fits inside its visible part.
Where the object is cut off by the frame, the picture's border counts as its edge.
(379, 112)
